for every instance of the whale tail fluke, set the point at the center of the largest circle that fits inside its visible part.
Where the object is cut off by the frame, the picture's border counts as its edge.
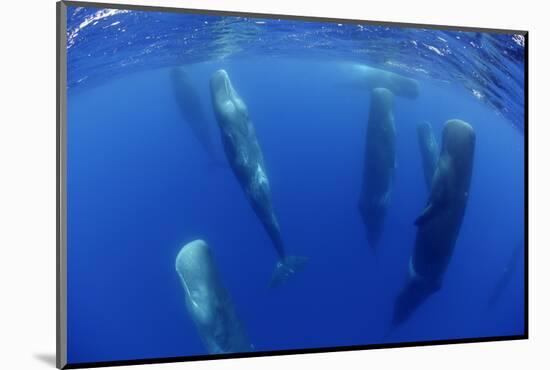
(286, 268)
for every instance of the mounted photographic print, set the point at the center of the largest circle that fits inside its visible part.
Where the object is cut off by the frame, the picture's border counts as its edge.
(236, 185)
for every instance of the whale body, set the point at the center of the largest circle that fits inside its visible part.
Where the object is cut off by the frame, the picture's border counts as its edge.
(429, 151)
(245, 157)
(371, 78)
(207, 301)
(439, 224)
(379, 164)
(191, 108)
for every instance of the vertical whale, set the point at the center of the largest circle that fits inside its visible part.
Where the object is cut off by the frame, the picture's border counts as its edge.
(208, 302)
(439, 224)
(429, 151)
(245, 157)
(379, 164)
(191, 108)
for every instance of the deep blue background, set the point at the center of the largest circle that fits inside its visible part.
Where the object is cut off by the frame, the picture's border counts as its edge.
(140, 187)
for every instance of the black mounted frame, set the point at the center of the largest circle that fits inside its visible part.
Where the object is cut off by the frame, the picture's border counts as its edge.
(61, 168)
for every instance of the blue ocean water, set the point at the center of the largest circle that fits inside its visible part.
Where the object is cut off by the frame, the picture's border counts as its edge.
(140, 185)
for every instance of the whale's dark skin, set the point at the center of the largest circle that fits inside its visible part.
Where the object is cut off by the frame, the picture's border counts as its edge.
(439, 224)
(191, 108)
(379, 164)
(429, 151)
(245, 157)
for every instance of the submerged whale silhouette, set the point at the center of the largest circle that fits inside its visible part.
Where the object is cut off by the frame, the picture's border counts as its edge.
(429, 151)
(208, 302)
(191, 108)
(439, 224)
(379, 164)
(366, 77)
(245, 157)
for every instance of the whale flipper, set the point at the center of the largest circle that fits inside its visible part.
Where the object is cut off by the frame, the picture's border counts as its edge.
(427, 214)
(439, 202)
(286, 268)
(439, 197)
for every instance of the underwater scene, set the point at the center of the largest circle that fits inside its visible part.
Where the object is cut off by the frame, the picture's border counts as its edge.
(245, 184)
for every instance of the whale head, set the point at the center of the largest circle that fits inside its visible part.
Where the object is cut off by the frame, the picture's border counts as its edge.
(220, 86)
(458, 139)
(405, 87)
(381, 100)
(229, 108)
(190, 262)
(197, 274)
(207, 301)
(458, 145)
